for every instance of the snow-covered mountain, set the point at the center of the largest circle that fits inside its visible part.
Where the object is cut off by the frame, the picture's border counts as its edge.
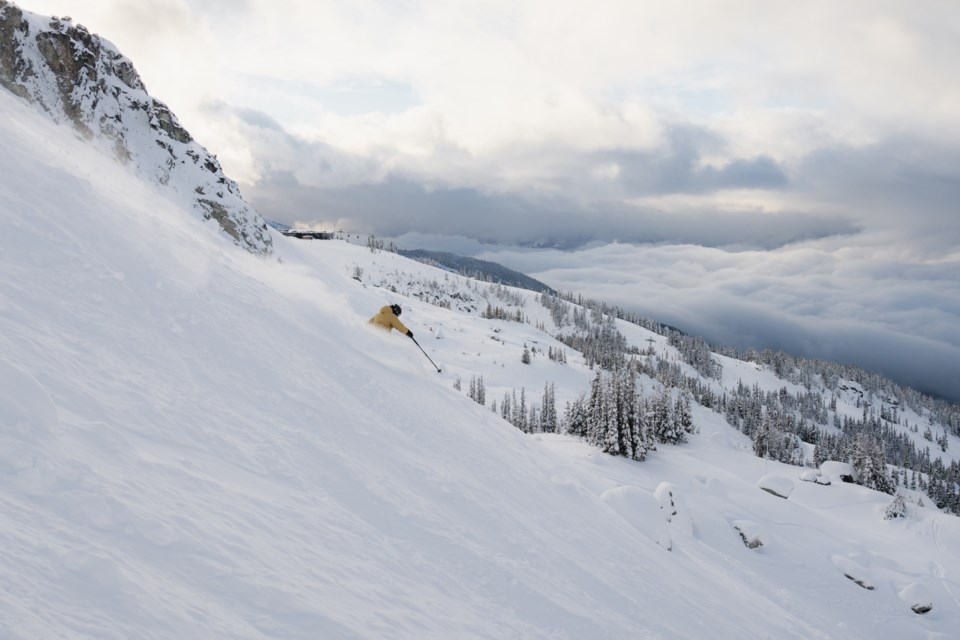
(479, 269)
(199, 443)
(79, 79)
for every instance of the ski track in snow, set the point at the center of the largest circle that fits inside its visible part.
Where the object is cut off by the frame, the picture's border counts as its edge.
(198, 443)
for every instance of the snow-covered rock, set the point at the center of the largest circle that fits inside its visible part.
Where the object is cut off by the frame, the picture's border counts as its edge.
(777, 485)
(80, 79)
(853, 570)
(814, 476)
(917, 597)
(749, 532)
(838, 471)
(673, 508)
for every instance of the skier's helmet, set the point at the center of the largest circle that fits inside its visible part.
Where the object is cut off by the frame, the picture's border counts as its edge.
(396, 309)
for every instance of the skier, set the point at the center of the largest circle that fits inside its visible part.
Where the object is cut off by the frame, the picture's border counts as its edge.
(387, 319)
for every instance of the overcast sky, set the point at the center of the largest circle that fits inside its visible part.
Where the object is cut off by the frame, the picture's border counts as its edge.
(763, 173)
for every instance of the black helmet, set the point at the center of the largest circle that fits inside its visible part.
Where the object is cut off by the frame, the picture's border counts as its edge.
(396, 309)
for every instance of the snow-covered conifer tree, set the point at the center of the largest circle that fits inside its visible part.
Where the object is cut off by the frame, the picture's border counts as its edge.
(867, 458)
(761, 437)
(663, 424)
(610, 416)
(682, 412)
(896, 509)
(548, 410)
(506, 409)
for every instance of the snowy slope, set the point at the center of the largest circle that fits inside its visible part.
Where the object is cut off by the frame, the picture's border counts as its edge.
(198, 443)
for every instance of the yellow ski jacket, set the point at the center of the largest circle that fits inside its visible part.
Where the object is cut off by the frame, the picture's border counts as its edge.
(386, 320)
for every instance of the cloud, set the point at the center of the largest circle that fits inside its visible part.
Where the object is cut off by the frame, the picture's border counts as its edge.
(809, 299)
(905, 186)
(294, 179)
(396, 206)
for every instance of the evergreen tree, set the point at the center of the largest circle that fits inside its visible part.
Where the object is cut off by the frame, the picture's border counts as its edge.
(548, 410)
(664, 429)
(612, 439)
(761, 438)
(641, 441)
(521, 422)
(515, 418)
(867, 458)
(576, 419)
(683, 413)
(595, 411)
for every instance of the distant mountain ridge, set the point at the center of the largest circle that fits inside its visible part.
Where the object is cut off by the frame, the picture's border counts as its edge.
(76, 77)
(480, 269)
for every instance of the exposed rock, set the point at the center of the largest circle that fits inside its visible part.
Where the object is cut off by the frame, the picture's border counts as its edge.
(668, 505)
(673, 508)
(216, 211)
(854, 571)
(917, 597)
(168, 123)
(749, 533)
(860, 582)
(11, 63)
(79, 78)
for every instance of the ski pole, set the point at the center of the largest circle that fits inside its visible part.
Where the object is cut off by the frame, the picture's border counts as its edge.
(425, 353)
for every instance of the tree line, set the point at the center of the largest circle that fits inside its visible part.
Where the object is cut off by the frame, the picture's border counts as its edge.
(779, 423)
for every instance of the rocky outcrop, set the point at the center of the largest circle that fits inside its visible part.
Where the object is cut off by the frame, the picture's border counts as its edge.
(80, 79)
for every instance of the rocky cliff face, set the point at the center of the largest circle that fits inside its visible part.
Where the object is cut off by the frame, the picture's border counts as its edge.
(78, 78)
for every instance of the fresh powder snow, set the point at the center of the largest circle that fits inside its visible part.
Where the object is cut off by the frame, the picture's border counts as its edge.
(199, 443)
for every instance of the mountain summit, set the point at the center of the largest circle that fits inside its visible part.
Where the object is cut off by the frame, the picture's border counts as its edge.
(77, 77)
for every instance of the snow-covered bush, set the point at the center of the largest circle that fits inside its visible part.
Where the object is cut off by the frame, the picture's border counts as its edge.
(896, 509)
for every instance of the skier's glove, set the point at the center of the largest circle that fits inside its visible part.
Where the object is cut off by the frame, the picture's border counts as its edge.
(409, 333)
